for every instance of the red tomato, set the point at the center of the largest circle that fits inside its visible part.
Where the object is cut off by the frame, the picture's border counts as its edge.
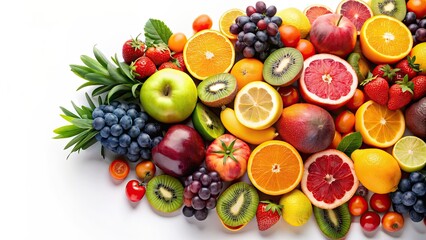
(356, 101)
(228, 156)
(306, 48)
(119, 169)
(370, 221)
(345, 122)
(289, 35)
(418, 7)
(135, 190)
(289, 95)
(392, 221)
(177, 42)
(202, 22)
(357, 205)
(380, 202)
(145, 170)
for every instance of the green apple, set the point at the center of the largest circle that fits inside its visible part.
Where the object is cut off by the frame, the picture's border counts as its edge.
(169, 95)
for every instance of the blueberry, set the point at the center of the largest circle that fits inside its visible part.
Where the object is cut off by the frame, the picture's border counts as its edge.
(409, 198)
(139, 123)
(404, 185)
(145, 153)
(132, 157)
(124, 140)
(134, 132)
(134, 148)
(123, 106)
(133, 113)
(114, 104)
(156, 141)
(97, 113)
(420, 206)
(134, 106)
(121, 150)
(144, 116)
(112, 141)
(98, 137)
(116, 130)
(126, 122)
(153, 129)
(396, 197)
(144, 140)
(105, 132)
(401, 208)
(109, 109)
(98, 123)
(416, 177)
(419, 188)
(415, 216)
(110, 119)
(119, 112)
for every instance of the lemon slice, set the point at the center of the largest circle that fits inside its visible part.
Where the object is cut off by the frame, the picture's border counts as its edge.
(410, 152)
(258, 105)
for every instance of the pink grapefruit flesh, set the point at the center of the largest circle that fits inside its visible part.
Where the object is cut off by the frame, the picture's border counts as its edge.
(329, 179)
(356, 10)
(316, 10)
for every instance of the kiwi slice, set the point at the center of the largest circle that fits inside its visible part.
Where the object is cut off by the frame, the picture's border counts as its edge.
(207, 123)
(165, 193)
(217, 90)
(237, 205)
(283, 66)
(334, 223)
(393, 8)
(353, 59)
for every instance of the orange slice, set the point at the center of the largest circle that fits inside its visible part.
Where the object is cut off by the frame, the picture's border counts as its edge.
(275, 167)
(379, 126)
(227, 19)
(385, 39)
(207, 53)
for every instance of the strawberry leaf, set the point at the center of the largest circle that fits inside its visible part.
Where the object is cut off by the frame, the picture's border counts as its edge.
(350, 143)
(156, 31)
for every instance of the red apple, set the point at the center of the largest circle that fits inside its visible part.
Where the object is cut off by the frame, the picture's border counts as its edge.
(333, 33)
(181, 151)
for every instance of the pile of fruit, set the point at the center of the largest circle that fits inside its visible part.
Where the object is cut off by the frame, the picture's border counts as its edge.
(323, 110)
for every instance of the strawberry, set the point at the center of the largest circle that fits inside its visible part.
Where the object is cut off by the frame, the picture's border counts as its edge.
(419, 87)
(385, 71)
(267, 214)
(400, 94)
(158, 54)
(408, 66)
(376, 88)
(142, 67)
(178, 58)
(169, 65)
(132, 50)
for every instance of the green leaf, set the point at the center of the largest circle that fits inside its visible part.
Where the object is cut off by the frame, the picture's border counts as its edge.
(350, 143)
(100, 57)
(115, 74)
(93, 64)
(68, 118)
(79, 110)
(67, 131)
(82, 123)
(135, 88)
(117, 89)
(86, 84)
(157, 31)
(99, 79)
(100, 90)
(68, 112)
(80, 71)
(89, 100)
(82, 143)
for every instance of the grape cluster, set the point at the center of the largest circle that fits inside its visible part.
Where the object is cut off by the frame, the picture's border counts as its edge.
(411, 196)
(126, 130)
(257, 31)
(202, 189)
(417, 27)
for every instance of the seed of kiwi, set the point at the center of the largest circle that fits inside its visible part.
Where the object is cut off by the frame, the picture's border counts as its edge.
(217, 90)
(165, 193)
(334, 223)
(207, 123)
(237, 205)
(393, 8)
(283, 66)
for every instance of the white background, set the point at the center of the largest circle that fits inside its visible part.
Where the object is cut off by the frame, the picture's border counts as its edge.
(47, 196)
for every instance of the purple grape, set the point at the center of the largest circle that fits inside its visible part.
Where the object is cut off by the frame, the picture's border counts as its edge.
(240, 36)
(256, 17)
(413, 28)
(215, 188)
(410, 17)
(362, 191)
(422, 23)
(271, 11)
(250, 10)
(211, 203)
(234, 28)
(195, 186)
(205, 179)
(262, 36)
(204, 193)
(197, 203)
(249, 52)
(188, 211)
(249, 27)
(421, 35)
(196, 175)
(272, 29)
(273, 40)
(277, 20)
(249, 39)
(242, 20)
(259, 46)
(240, 45)
(260, 7)
(201, 215)
(188, 180)
(214, 176)
(187, 192)
(261, 25)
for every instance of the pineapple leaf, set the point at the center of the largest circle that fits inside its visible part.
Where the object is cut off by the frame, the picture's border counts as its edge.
(76, 139)
(82, 123)
(135, 88)
(115, 74)
(81, 71)
(68, 113)
(124, 68)
(93, 64)
(86, 84)
(89, 143)
(100, 57)
(67, 131)
(117, 89)
(99, 79)
(88, 110)
(79, 110)
(68, 118)
(82, 143)
(100, 90)
(89, 100)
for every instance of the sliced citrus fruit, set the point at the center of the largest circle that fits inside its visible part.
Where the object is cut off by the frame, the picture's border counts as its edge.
(379, 126)
(385, 39)
(227, 19)
(316, 10)
(208, 52)
(328, 81)
(258, 105)
(410, 152)
(275, 167)
(329, 179)
(357, 11)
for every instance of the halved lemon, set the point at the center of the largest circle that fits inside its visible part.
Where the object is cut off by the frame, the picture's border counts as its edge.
(410, 152)
(227, 19)
(258, 105)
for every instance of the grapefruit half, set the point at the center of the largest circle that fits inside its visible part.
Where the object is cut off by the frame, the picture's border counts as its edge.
(329, 179)
(315, 10)
(357, 11)
(328, 81)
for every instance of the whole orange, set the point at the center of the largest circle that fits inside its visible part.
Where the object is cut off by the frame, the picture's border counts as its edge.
(247, 70)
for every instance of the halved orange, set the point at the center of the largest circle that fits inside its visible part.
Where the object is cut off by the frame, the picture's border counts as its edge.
(207, 53)
(227, 19)
(379, 126)
(275, 167)
(385, 39)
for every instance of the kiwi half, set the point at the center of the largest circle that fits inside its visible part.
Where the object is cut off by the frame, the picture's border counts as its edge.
(207, 123)
(217, 90)
(392, 8)
(237, 205)
(165, 193)
(334, 223)
(283, 66)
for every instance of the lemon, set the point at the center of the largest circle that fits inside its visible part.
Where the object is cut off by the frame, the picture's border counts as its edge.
(297, 209)
(376, 169)
(420, 52)
(410, 152)
(295, 17)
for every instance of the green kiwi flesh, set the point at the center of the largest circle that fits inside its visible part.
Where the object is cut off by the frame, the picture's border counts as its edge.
(353, 59)
(207, 123)
(392, 8)
(237, 205)
(217, 90)
(165, 193)
(283, 66)
(334, 223)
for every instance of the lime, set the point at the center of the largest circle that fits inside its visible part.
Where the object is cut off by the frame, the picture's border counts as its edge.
(297, 209)
(410, 152)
